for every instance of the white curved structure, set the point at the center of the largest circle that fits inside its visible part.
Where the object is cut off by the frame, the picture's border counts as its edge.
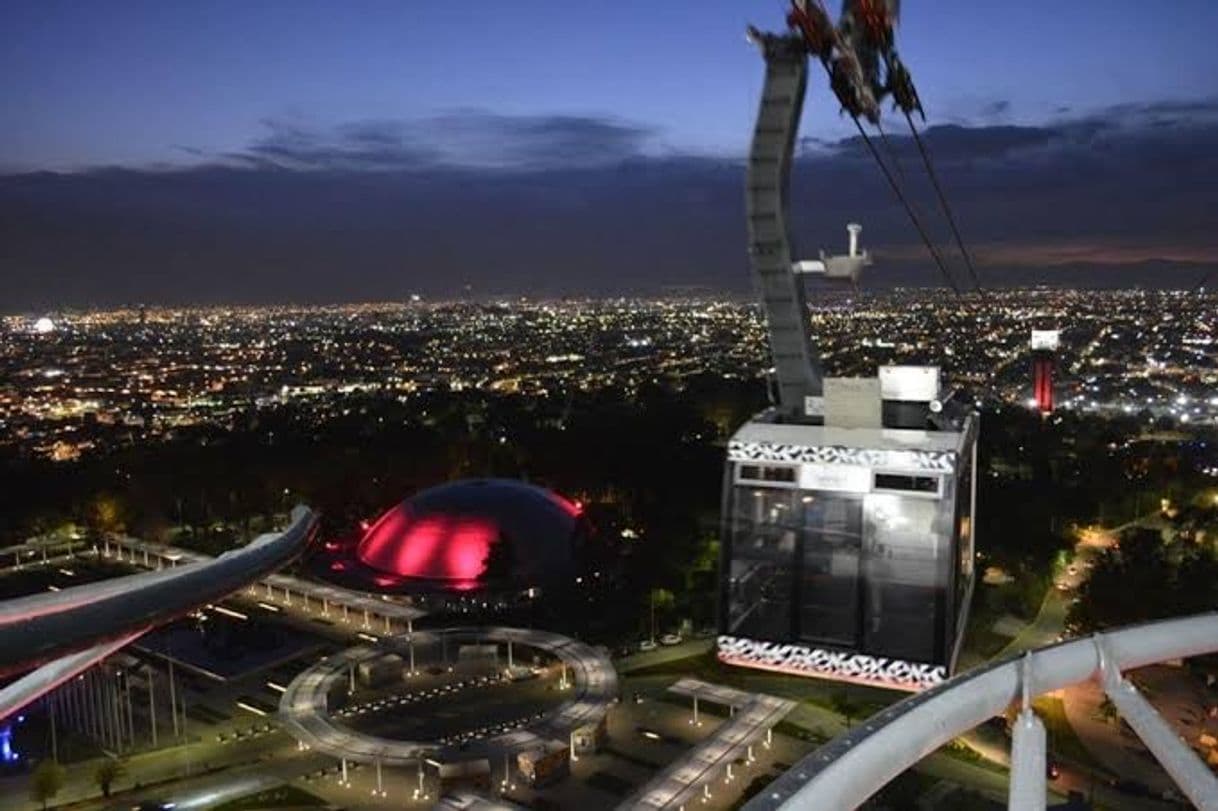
(67, 632)
(304, 706)
(845, 772)
(374, 609)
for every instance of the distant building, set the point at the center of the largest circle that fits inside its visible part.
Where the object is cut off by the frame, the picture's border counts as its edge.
(1044, 360)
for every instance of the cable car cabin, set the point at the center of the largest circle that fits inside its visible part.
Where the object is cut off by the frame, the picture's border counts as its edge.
(847, 547)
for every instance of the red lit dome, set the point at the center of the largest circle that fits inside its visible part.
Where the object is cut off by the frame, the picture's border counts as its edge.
(449, 534)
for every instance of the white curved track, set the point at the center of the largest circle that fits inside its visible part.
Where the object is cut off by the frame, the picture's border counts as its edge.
(69, 631)
(848, 770)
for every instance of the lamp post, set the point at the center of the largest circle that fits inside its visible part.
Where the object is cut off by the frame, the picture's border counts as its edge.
(507, 784)
(421, 792)
(379, 791)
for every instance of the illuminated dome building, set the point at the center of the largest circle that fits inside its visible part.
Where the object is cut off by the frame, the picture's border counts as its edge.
(469, 535)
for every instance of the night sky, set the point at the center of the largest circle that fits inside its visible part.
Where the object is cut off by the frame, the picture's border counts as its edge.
(300, 151)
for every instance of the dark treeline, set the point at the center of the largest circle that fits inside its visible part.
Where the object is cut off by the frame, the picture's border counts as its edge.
(649, 462)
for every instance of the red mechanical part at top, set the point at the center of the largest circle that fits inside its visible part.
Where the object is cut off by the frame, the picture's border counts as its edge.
(875, 18)
(813, 23)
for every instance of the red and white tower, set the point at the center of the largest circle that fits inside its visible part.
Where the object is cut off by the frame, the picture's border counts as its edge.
(1044, 360)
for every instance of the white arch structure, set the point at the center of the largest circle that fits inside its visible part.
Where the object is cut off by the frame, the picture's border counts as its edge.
(62, 634)
(848, 770)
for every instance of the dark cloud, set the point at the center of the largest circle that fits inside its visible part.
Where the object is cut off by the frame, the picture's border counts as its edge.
(366, 146)
(530, 142)
(997, 110)
(192, 151)
(381, 209)
(463, 138)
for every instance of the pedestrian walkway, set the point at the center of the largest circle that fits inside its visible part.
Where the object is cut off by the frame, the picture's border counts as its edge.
(688, 779)
(368, 611)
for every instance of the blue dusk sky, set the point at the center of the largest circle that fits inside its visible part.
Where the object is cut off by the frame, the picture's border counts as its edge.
(148, 136)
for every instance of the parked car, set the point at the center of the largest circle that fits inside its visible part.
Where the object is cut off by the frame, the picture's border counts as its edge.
(647, 644)
(670, 639)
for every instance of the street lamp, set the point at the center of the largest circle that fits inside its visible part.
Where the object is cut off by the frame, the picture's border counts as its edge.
(379, 791)
(420, 793)
(507, 784)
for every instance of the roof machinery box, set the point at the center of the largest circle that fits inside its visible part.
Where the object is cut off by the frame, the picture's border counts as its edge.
(917, 384)
(852, 402)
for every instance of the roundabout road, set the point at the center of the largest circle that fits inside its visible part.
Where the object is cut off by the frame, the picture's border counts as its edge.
(305, 714)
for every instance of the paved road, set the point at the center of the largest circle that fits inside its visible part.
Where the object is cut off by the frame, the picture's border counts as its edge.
(1118, 757)
(1049, 624)
(663, 654)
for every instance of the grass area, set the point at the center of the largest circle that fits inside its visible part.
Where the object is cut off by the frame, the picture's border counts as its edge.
(910, 788)
(961, 751)
(793, 730)
(788, 728)
(281, 797)
(755, 787)
(684, 702)
(980, 639)
(610, 784)
(1063, 741)
(700, 666)
(865, 702)
(813, 692)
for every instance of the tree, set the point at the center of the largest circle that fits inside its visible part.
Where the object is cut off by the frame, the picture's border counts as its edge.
(153, 527)
(1169, 579)
(661, 600)
(845, 704)
(105, 515)
(46, 781)
(106, 773)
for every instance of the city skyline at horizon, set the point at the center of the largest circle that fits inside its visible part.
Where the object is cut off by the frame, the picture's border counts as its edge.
(1186, 280)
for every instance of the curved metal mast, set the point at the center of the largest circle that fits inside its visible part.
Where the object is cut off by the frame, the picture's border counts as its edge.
(797, 366)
